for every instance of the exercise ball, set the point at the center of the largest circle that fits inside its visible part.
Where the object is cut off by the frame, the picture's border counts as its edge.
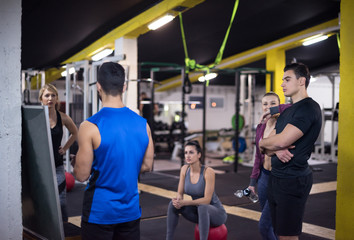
(215, 233)
(70, 181)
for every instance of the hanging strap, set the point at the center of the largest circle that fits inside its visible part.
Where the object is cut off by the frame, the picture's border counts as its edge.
(191, 63)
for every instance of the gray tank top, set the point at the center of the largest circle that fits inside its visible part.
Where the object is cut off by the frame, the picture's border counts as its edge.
(197, 190)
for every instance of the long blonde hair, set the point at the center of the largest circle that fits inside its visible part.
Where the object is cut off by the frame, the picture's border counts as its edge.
(50, 88)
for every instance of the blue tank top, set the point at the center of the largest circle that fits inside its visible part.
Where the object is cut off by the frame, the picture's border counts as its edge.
(197, 190)
(111, 195)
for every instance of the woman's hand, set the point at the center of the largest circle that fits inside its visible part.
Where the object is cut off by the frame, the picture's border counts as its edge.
(265, 117)
(61, 150)
(252, 188)
(177, 203)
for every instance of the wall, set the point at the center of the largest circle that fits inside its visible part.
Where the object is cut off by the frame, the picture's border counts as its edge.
(194, 117)
(10, 120)
(321, 92)
(217, 118)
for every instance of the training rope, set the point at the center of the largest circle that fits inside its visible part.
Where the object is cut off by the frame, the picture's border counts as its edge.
(191, 63)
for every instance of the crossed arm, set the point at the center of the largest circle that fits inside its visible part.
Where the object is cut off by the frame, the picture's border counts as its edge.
(280, 144)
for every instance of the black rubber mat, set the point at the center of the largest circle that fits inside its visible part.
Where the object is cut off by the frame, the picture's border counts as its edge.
(320, 209)
(74, 200)
(237, 227)
(152, 205)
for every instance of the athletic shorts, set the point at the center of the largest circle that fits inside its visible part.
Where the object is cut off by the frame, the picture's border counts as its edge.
(119, 231)
(287, 198)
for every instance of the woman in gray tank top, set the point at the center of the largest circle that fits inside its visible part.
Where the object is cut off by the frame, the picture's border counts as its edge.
(198, 181)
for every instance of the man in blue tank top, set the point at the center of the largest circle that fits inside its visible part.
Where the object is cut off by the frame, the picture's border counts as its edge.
(115, 145)
(297, 129)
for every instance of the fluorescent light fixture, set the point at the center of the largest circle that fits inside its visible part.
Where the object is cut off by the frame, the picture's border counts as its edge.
(314, 39)
(102, 54)
(313, 79)
(161, 21)
(207, 77)
(71, 71)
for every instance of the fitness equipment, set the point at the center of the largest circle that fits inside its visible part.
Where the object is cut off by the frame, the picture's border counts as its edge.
(70, 181)
(215, 233)
(242, 145)
(241, 122)
(240, 101)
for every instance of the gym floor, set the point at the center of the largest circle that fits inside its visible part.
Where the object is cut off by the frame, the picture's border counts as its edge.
(159, 186)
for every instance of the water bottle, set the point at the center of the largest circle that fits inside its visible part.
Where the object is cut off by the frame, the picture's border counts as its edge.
(247, 193)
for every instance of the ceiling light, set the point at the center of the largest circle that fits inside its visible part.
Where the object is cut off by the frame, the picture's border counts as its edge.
(102, 54)
(71, 71)
(314, 39)
(207, 77)
(160, 22)
(313, 79)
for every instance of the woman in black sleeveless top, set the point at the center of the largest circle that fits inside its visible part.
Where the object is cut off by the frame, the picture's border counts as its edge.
(48, 96)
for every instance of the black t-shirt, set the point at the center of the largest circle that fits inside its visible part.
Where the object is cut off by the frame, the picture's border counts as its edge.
(306, 116)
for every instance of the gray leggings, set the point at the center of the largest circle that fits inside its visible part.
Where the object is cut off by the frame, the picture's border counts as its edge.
(205, 215)
(60, 172)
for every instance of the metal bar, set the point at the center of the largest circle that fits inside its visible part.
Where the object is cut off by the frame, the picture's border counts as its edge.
(67, 95)
(85, 102)
(237, 112)
(204, 121)
(183, 113)
(151, 116)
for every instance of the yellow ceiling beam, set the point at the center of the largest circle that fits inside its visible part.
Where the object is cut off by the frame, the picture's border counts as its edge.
(258, 53)
(133, 28)
(51, 75)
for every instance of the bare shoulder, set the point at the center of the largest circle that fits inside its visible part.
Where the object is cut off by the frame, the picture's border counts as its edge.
(64, 117)
(87, 126)
(184, 169)
(209, 171)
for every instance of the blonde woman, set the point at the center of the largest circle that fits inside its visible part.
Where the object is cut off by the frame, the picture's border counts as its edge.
(48, 96)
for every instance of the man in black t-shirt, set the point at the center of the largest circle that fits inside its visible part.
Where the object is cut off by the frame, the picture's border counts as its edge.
(296, 131)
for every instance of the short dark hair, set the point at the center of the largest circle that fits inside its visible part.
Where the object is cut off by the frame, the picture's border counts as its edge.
(195, 143)
(272, 94)
(300, 70)
(111, 76)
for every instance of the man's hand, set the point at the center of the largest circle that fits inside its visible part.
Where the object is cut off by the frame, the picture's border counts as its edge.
(284, 155)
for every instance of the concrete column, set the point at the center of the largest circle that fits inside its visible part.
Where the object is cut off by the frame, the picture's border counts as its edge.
(10, 120)
(129, 47)
(275, 62)
(345, 184)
